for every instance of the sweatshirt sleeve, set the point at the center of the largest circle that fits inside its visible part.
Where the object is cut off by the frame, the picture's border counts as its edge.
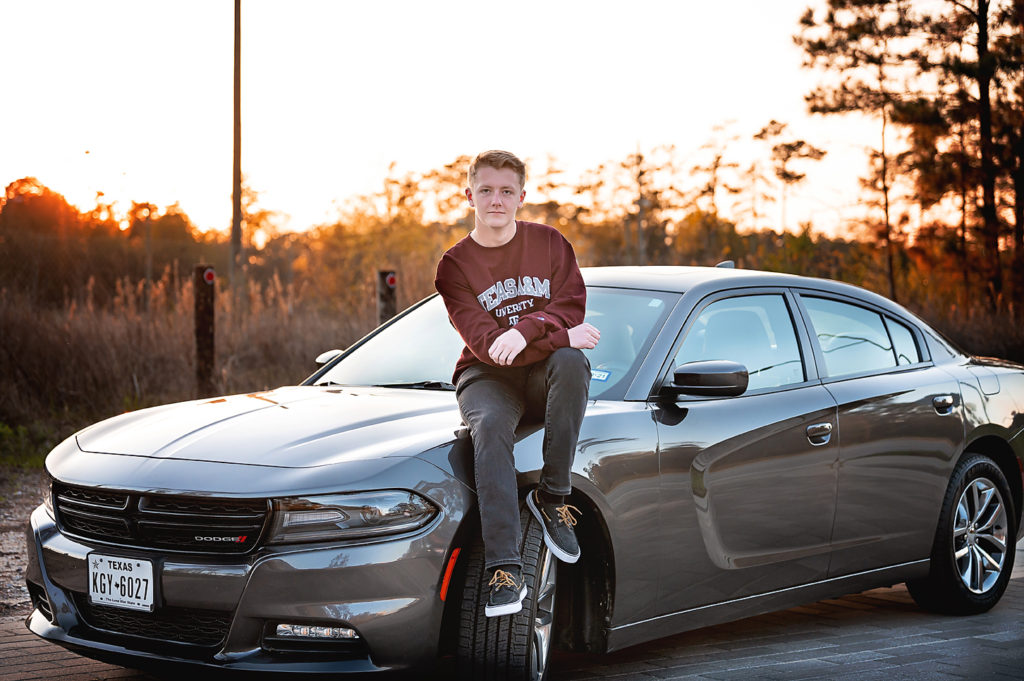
(478, 329)
(549, 328)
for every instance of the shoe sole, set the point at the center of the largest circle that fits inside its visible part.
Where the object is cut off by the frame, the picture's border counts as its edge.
(559, 553)
(508, 608)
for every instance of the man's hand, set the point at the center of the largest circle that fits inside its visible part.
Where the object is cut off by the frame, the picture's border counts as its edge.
(506, 347)
(584, 336)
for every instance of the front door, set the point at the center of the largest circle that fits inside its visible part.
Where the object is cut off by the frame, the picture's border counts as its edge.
(748, 482)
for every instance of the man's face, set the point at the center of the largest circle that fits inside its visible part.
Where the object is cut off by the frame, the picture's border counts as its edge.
(496, 196)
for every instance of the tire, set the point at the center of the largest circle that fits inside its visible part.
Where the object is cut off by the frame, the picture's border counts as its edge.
(512, 647)
(973, 552)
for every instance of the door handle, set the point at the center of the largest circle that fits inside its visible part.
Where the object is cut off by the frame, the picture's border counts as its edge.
(943, 404)
(819, 434)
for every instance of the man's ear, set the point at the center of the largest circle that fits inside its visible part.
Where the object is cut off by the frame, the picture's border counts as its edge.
(522, 197)
(469, 195)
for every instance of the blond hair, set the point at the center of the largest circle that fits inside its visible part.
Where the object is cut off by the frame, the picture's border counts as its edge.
(498, 159)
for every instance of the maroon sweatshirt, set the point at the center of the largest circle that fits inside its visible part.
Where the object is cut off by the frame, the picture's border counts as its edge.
(531, 284)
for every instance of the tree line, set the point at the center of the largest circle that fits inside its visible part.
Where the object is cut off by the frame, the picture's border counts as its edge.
(943, 234)
(947, 76)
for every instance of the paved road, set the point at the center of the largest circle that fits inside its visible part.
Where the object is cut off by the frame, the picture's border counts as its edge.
(878, 634)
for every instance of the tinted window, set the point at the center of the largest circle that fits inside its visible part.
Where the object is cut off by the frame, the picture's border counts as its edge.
(423, 345)
(903, 342)
(628, 322)
(756, 331)
(852, 338)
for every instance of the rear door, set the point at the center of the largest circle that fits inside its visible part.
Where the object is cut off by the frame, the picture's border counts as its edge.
(748, 482)
(900, 425)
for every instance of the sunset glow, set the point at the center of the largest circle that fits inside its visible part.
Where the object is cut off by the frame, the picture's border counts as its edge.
(134, 99)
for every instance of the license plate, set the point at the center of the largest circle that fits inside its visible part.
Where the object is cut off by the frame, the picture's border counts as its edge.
(121, 582)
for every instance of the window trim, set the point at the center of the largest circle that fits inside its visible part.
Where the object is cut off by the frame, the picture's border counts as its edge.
(804, 346)
(888, 320)
(819, 357)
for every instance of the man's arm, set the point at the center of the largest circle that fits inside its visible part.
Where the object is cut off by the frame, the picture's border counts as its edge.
(478, 329)
(549, 327)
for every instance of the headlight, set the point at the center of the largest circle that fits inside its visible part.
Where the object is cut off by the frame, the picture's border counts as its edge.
(348, 516)
(48, 498)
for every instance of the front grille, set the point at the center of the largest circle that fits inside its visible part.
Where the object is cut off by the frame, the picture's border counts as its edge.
(159, 521)
(180, 625)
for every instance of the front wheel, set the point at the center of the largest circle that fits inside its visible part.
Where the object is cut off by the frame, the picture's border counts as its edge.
(512, 647)
(973, 552)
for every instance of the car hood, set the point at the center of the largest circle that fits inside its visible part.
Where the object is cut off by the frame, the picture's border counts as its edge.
(293, 427)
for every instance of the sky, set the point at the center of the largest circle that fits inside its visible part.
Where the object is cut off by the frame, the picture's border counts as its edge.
(134, 99)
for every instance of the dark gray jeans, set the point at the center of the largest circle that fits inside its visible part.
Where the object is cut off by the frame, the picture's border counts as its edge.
(492, 400)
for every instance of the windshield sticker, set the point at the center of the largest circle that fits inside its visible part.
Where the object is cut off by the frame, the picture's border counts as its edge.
(655, 302)
(598, 375)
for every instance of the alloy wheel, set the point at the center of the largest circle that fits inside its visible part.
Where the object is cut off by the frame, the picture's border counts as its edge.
(979, 535)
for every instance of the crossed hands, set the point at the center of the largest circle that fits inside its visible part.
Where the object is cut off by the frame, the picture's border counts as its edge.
(508, 345)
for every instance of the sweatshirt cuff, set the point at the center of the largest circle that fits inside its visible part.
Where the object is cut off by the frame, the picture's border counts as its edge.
(560, 338)
(531, 329)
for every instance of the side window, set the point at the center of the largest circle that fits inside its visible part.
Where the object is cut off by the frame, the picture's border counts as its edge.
(852, 338)
(756, 331)
(903, 342)
(938, 347)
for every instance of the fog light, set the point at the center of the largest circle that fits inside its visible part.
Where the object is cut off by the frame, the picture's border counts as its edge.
(312, 632)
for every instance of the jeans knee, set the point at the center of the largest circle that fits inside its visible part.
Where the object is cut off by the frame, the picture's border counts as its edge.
(492, 425)
(569, 361)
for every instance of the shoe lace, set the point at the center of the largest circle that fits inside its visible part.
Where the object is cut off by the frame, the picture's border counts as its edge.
(502, 578)
(565, 514)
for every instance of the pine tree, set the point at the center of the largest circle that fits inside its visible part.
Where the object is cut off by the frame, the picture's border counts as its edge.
(859, 40)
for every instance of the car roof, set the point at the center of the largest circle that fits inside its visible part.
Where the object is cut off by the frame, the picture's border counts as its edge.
(681, 279)
(673, 278)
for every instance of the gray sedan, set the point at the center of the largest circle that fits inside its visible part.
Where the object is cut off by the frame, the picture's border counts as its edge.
(753, 441)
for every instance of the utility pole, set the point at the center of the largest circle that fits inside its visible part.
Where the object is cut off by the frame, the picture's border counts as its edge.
(234, 271)
(641, 203)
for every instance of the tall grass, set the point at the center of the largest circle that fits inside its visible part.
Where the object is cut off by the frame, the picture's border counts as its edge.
(64, 368)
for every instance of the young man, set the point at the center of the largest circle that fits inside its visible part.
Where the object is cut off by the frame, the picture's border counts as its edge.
(515, 294)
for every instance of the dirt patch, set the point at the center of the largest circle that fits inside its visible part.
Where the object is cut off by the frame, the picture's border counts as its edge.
(21, 490)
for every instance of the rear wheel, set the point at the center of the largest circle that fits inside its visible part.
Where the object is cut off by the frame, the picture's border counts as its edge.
(972, 556)
(512, 647)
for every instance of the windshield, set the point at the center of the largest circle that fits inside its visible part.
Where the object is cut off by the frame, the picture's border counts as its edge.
(419, 349)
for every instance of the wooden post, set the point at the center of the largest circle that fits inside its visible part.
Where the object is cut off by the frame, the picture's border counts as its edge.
(204, 280)
(386, 285)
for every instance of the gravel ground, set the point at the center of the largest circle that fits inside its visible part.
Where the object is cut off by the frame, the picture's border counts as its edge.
(21, 490)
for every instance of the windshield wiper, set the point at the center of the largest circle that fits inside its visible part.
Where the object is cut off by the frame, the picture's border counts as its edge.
(420, 385)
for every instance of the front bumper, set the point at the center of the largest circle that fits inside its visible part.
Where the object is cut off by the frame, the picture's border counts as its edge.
(388, 590)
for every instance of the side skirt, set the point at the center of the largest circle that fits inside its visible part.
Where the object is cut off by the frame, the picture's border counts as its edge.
(716, 613)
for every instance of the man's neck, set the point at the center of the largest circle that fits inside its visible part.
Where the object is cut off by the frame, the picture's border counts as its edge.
(491, 237)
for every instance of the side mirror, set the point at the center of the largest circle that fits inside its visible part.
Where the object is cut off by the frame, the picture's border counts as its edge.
(708, 378)
(326, 357)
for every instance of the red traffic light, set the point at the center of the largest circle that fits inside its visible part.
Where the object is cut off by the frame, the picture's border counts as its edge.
(209, 276)
(390, 279)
